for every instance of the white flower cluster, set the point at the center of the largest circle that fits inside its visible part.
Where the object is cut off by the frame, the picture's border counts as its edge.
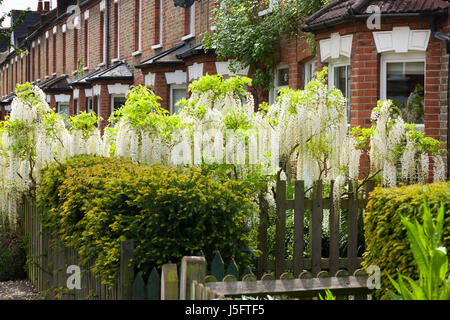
(34, 137)
(308, 127)
(395, 152)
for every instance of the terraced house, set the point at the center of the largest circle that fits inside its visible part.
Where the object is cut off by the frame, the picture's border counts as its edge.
(86, 54)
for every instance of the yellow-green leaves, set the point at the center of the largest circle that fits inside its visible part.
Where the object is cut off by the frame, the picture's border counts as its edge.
(430, 257)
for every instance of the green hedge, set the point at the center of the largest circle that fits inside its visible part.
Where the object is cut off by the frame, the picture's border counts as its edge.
(92, 203)
(387, 244)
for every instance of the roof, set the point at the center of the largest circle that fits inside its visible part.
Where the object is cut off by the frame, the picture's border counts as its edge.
(119, 71)
(8, 98)
(168, 56)
(344, 10)
(197, 49)
(43, 83)
(83, 79)
(57, 84)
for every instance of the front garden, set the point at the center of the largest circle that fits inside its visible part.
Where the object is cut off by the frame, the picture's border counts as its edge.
(197, 182)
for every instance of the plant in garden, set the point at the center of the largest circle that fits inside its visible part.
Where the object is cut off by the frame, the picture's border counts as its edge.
(386, 237)
(392, 142)
(328, 295)
(93, 203)
(431, 259)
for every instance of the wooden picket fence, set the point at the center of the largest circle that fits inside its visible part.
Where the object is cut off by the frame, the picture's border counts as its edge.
(315, 204)
(299, 277)
(193, 282)
(48, 260)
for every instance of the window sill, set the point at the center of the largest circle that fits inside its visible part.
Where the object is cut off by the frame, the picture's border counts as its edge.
(101, 64)
(187, 37)
(157, 46)
(86, 69)
(46, 77)
(115, 60)
(54, 74)
(136, 53)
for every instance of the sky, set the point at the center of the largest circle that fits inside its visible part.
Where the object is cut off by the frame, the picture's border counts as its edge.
(8, 5)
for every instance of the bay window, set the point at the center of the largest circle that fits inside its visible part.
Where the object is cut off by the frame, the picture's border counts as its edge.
(403, 81)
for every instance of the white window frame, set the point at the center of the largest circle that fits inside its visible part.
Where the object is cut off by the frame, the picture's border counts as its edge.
(391, 57)
(139, 49)
(88, 38)
(115, 59)
(309, 65)
(160, 22)
(191, 23)
(172, 88)
(342, 61)
(273, 92)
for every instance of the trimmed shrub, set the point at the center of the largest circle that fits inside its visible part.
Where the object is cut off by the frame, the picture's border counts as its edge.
(93, 203)
(387, 243)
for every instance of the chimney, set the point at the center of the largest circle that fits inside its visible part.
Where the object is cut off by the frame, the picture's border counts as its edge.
(47, 6)
(39, 8)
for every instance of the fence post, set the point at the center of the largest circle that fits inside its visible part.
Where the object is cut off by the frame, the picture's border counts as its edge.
(280, 229)
(126, 270)
(192, 268)
(169, 282)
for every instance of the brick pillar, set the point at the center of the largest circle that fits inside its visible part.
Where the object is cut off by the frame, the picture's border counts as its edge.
(53, 102)
(364, 84)
(81, 100)
(105, 106)
(162, 90)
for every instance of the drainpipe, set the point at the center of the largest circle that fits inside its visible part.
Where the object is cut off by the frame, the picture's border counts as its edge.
(107, 32)
(445, 38)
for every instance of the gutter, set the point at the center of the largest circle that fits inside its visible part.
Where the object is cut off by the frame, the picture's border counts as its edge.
(445, 38)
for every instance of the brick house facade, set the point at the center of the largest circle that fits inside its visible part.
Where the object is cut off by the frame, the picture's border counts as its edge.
(388, 60)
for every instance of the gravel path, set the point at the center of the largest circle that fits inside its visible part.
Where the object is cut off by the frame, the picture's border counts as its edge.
(17, 290)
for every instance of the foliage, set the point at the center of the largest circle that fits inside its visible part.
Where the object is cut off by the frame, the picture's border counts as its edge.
(328, 295)
(84, 122)
(93, 203)
(386, 237)
(253, 39)
(431, 259)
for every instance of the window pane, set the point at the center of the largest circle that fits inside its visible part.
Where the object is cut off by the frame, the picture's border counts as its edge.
(177, 95)
(407, 89)
(283, 77)
(89, 105)
(118, 102)
(395, 69)
(63, 111)
(340, 79)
